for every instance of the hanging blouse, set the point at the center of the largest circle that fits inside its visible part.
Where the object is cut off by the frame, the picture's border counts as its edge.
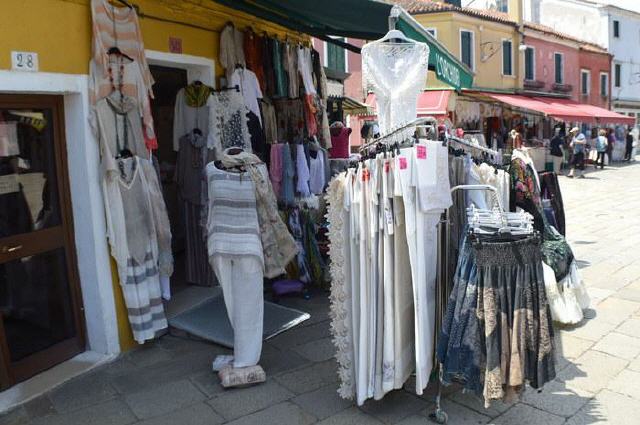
(119, 27)
(191, 111)
(228, 122)
(397, 73)
(118, 127)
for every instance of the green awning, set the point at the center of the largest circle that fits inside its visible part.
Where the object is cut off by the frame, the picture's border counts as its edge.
(363, 19)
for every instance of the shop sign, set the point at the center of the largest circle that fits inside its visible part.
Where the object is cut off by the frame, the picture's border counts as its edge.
(24, 61)
(175, 45)
(446, 70)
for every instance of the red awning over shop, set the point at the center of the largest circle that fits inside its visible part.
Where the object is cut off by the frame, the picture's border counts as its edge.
(430, 103)
(552, 109)
(601, 115)
(563, 109)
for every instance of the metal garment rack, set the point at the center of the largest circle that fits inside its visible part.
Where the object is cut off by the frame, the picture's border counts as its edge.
(443, 283)
(427, 123)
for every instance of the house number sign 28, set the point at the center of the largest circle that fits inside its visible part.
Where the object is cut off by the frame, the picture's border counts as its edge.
(24, 61)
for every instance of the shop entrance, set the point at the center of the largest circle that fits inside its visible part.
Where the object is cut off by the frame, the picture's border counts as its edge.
(168, 82)
(40, 304)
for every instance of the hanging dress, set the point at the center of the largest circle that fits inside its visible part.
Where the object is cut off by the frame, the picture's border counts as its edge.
(140, 239)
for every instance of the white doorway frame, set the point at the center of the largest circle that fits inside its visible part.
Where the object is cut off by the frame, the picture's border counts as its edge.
(198, 68)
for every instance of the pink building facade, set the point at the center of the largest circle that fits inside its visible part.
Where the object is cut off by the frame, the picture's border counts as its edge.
(560, 65)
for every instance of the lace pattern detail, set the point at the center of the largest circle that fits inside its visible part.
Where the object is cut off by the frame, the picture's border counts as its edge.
(396, 72)
(228, 122)
(340, 297)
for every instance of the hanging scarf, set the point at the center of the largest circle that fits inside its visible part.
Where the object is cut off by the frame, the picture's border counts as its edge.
(196, 95)
(278, 246)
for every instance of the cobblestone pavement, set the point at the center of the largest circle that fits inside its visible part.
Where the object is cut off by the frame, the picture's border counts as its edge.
(170, 382)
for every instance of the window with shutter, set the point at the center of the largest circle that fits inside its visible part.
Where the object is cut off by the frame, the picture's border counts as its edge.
(336, 56)
(558, 68)
(529, 64)
(507, 58)
(616, 77)
(466, 47)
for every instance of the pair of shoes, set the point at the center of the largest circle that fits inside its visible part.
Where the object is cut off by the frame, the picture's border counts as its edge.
(581, 176)
(570, 176)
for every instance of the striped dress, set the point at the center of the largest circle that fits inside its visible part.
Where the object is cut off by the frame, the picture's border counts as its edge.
(232, 224)
(140, 241)
(119, 27)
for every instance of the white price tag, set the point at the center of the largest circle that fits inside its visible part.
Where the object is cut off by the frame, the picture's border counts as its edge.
(24, 61)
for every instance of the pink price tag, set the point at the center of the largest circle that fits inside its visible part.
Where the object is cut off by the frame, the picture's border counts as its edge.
(402, 161)
(421, 152)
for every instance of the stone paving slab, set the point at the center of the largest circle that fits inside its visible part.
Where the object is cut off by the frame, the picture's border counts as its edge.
(169, 381)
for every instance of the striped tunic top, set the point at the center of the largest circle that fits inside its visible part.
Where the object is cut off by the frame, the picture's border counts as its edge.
(232, 224)
(119, 27)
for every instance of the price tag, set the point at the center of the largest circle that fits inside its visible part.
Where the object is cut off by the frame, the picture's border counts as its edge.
(421, 152)
(9, 184)
(402, 161)
(24, 61)
(386, 167)
(365, 175)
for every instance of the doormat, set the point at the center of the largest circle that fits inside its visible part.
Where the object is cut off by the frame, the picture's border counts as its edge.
(209, 320)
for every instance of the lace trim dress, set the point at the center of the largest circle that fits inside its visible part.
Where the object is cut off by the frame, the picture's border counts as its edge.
(341, 295)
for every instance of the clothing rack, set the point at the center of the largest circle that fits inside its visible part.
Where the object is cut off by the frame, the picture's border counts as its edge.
(473, 146)
(423, 122)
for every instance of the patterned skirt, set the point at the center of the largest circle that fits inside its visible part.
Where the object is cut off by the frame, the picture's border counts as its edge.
(497, 333)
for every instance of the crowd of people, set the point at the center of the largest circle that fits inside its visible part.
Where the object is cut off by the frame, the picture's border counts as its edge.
(579, 147)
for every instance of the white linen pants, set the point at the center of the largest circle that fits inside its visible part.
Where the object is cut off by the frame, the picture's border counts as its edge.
(241, 282)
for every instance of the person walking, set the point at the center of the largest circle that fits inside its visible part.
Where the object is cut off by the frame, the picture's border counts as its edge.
(578, 145)
(557, 154)
(601, 148)
(629, 146)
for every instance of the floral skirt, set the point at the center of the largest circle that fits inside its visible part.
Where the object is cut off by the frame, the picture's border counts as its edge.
(497, 332)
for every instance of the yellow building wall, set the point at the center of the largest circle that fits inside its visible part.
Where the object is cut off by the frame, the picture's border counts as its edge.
(60, 32)
(487, 37)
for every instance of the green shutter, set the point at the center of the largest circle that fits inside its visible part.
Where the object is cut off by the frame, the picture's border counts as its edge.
(528, 64)
(335, 56)
(617, 74)
(506, 58)
(465, 41)
(558, 68)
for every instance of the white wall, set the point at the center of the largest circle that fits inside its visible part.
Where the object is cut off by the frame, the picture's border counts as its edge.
(625, 51)
(576, 18)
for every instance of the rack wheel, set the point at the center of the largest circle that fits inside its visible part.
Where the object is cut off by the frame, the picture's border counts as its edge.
(439, 416)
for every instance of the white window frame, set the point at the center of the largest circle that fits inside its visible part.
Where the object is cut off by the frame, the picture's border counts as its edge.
(561, 67)
(325, 54)
(588, 92)
(606, 87)
(502, 57)
(473, 46)
(506, 3)
(533, 58)
(433, 31)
